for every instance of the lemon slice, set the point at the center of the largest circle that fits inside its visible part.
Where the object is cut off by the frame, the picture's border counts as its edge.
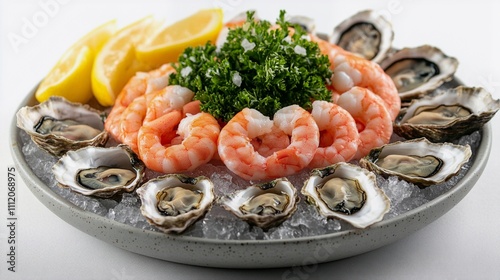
(70, 77)
(166, 45)
(96, 38)
(116, 63)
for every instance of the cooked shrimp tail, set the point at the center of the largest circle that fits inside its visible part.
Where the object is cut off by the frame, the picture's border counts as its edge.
(338, 134)
(285, 157)
(372, 118)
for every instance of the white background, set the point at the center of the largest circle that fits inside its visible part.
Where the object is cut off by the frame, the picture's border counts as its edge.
(463, 244)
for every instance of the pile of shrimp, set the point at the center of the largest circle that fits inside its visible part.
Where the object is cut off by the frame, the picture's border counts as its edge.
(162, 124)
(165, 127)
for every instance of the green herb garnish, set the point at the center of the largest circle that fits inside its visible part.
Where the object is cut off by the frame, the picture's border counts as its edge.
(257, 68)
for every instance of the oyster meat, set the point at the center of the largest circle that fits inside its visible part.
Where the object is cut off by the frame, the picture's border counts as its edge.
(264, 205)
(58, 125)
(348, 192)
(418, 71)
(174, 202)
(448, 115)
(418, 161)
(98, 171)
(366, 33)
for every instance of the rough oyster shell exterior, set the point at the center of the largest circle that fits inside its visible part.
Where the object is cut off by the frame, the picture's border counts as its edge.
(377, 22)
(234, 202)
(377, 204)
(446, 67)
(148, 194)
(453, 157)
(480, 103)
(121, 157)
(60, 108)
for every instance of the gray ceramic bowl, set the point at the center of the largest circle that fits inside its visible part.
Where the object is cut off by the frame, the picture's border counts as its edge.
(251, 253)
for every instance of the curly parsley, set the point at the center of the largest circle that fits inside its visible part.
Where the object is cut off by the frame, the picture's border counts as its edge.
(257, 67)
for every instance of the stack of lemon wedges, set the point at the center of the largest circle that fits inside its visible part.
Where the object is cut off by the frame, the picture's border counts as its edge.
(104, 60)
(70, 77)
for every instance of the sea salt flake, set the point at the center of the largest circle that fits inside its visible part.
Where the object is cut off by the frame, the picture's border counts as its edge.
(236, 79)
(300, 50)
(186, 71)
(247, 45)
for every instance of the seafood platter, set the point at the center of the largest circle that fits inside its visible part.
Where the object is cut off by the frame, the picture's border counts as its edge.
(268, 140)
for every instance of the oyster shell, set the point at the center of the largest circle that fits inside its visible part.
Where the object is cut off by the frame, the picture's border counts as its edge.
(418, 161)
(98, 171)
(58, 125)
(306, 23)
(418, 71)
(366, 33)
(347, 192)
(448, 115)
(174, 202)
(264, 205)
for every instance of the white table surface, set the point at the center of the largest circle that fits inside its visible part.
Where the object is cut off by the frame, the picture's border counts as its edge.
(463, 244)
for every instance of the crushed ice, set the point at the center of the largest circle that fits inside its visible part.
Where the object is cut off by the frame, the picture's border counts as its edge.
(219, 223)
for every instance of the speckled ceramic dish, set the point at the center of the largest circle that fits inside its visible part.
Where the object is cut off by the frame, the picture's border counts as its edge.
(251, 253)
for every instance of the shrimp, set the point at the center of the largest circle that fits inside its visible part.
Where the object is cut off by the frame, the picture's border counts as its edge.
(132, 119)
(271, 142)
(171, 98)
(372, 118)
(133, 116)
(240, 156)
(159, 103)
(192, 108)
(199, 144)
(338, 134)
(137, 86)
(350, 70)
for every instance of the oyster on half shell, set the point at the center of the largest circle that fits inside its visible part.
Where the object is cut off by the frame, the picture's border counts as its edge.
(418, 161)
(447, 115)
(58, 125)
(309, 25)
(99, 171)
(348, 192)
(264, 205)
(174, 202)
(418, 71)
(366, 33)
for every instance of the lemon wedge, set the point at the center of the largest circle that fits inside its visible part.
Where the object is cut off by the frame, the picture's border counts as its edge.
(70, 77)
(168, 43)
(116, 63)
